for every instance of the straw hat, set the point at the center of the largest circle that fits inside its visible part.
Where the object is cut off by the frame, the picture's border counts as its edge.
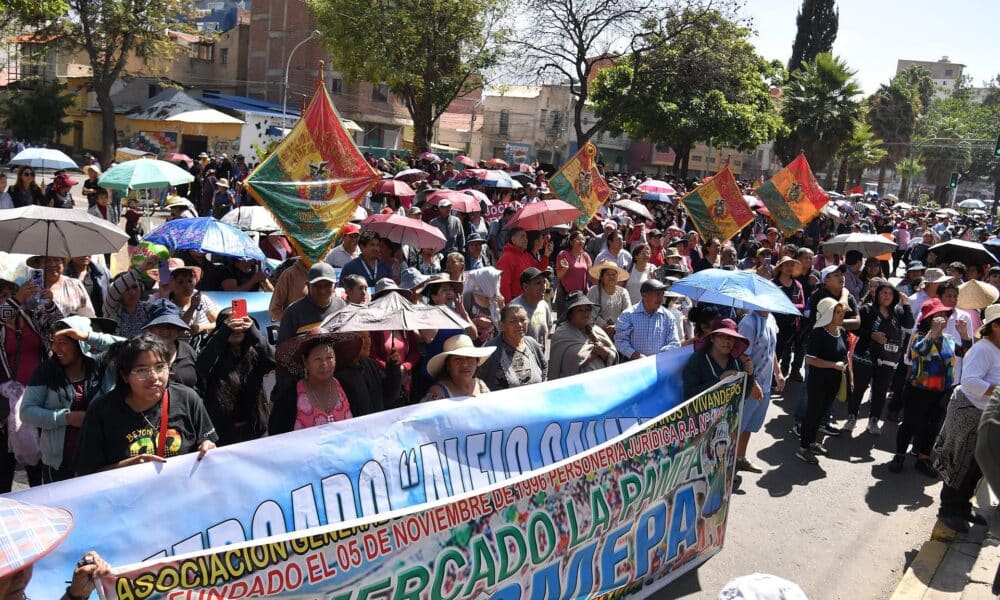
(976, 295)
(222, 183)
(458, 345)
(289, 352)
(175, 200)
(935, 275)
(788, 259)
(29, 533)
(596, 270)
(992, 314)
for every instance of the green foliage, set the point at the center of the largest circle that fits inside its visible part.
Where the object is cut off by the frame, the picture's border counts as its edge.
(893, 112)
(36, 114)
(707, 84)
(860, 150)
(817, 24)
(918, 78)
(908, 169)
(428, 52)
(32, 11)
(821, 106)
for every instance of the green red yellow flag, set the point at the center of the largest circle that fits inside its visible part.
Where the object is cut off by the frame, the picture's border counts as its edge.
(717, 207)
(793, 196)
(579, 183)
(314, 180)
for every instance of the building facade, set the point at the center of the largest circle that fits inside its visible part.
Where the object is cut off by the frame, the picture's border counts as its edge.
(944, 73)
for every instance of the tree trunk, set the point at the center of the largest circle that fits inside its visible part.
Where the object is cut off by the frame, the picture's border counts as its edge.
(829, 176)
(996, 195)
(109, 135)
(941, 193)
(881, 176)
(684, 163)
(842, 177)
(423, 124)
(677, 163)
(904, 187)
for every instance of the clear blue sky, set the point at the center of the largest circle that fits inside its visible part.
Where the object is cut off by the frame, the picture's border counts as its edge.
(873, 34)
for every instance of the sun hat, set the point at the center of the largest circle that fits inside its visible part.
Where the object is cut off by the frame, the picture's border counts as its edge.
(824, 312)
(458, 345)
(222, 182)
(174, 201)
(321, 271)
(437, 279)
(671, 252)
(725, 327)
(932, 307)
(85, 325)
(575, 299)
(533, 272)
(29, 533)
(595, 270)
(94, 168)
(673, 272)
(935, 275)
(761, 586)
(165, 312)
(474, 238)
(788, 259)
(992, 314)
(976, 295)
(289, 352)
(915, 265)
(385, 285)
(37, 262)
(175, 264)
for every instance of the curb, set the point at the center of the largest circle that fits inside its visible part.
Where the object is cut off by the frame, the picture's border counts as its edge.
(915, 581)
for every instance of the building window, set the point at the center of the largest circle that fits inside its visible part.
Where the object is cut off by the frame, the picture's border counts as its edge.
(380, 93)
(504, 127)
(336, 85)
(543, 117)
(557, 120)
(695, 158)
(205, 52)
(224, 56)
(948, 72)
(152, 90)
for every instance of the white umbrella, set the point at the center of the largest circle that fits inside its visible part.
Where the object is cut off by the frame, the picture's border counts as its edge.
(972, 203)
(903, 206)
(251, 218)
(634, 207)
(869, 244)
(892, 197)
(45, 231)
(43, 158)
(948, 211)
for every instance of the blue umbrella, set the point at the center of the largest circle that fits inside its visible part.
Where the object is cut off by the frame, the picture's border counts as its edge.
(739, 289)
(205, 234)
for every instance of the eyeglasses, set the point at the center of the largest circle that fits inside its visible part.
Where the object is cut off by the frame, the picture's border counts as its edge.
(144, 373)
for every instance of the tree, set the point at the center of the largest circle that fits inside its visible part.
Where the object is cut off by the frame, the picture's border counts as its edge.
(707, 84)
(893, 112)
(908, 169)
(571, 40)
(817, 24)
(860, 150)
(919, 78)
(820, 106)
(37, 114)
(944, 149)
(428, 52)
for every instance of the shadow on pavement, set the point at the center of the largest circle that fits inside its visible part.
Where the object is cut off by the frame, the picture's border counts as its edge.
(892, 491)
(686, 585)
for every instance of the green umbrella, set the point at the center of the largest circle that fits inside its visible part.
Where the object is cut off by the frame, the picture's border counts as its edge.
(144, 174)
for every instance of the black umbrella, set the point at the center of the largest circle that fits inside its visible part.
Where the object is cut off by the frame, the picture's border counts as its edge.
(969, 253)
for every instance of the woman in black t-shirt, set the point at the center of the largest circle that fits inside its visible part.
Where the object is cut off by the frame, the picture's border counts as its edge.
(826, 357)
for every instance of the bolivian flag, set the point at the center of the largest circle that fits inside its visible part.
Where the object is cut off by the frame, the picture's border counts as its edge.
(579, 183)
(314, 179)
(717, 207)
(793, 196)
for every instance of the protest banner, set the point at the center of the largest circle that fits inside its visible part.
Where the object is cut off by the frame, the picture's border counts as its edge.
(347, 470)
(314, 179)
(625, 517)
(579, 183)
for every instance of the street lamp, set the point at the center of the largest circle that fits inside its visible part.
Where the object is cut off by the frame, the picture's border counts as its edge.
(288, 65)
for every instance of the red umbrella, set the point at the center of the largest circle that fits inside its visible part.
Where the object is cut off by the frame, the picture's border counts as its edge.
(497, 163)
(175, 157)
(466, 161)
(459, 201)
(544, 214)
(479, 196)
(394, 187)
(404, 230)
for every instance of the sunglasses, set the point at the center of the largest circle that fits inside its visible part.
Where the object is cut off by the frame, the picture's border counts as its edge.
(28, 173)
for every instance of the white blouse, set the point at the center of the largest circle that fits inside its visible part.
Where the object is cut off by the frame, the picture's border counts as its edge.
(980, 370)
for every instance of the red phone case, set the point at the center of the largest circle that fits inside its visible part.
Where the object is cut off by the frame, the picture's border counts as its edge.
(239, 309)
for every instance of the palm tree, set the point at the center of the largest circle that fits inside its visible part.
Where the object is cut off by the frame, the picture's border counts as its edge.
(821, 106)
(944, 150)
(908, 169)
(861, 150)
(893, 112)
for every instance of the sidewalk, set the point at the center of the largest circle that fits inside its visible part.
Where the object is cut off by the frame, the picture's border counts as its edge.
(952, 566)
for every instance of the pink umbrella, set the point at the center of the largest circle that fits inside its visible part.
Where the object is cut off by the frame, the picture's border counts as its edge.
(544, 214)
(430, 157)
(524, 168)
(479, 196)
(655, 186)
(176, 157)
(394, 187)
(409, 175)
(404, 230)
(459, 201)
(477, 173)
(497, 163)
(466, 161)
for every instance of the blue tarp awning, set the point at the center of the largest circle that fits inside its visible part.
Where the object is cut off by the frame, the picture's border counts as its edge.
(247, 105)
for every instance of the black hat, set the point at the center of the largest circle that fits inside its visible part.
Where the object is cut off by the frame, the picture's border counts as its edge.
(652, 285)
(531, 273)
(915, 265)
(673, 271)
(677, 241)
(575, 299)
(474, 238)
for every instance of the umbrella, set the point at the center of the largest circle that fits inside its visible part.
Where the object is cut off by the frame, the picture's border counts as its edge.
(903, 206)
(656, 197)
(739, 289)
(429, 157)
(835, 195)
(867, 206)
(205, 234)
(496, 179)
(523, 169)
(48, 231)
(483, 198)
(544, 214)
(394, 187)
(392, 312)
(891, 197)
(460, 202)
(410, 175)
(948, 211)
(970, 253)
(144, 174)
(753, 201)
(404, 230)
(656, 186)
(831, 211)
(497, 163)
(634, 207)
(43, 158)
(465, 161)
(972, 203)
(175, 157)
(868, 244)
(251, 218)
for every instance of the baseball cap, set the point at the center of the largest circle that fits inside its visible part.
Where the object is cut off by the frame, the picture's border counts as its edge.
(652, 285)
(322, 271)
(445, 203)
(350, 229)
(828, 270)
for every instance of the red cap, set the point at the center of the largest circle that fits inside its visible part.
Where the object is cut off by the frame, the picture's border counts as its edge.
(932, 307)
(350, 229)
(64, 179)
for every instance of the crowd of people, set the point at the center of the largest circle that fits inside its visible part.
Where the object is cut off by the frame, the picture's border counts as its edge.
(108, 369)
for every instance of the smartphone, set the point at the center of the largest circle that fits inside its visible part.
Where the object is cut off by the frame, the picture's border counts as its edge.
(164, 271)
(38, 277)
(239, 308)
